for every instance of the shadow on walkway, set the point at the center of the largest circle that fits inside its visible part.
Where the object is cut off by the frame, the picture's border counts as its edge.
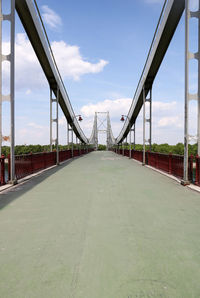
(13, 193)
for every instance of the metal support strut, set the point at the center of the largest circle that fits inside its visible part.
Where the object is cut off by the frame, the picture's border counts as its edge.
(131, 129)
(146, 120)
(188, 96)
(10, 97)
(67, 135)
(52, 120)
(72, 142)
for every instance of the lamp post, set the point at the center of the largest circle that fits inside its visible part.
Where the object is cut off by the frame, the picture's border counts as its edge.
(79, 119)
(123, 119)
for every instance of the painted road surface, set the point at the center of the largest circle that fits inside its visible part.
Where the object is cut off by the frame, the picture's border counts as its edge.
(100, 226)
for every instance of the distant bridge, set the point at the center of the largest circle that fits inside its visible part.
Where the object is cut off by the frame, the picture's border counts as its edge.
(100, 225)
(30, 17)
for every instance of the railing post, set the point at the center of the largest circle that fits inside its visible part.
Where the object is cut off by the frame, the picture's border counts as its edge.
(191, 168)
(156, 160)
(8, 167)
(2, 169)
(197, 171)
(31, 158)
(67, 135)
(147, 157)
(129, 139)
(170, 163)
(44, 158)
(72, 142)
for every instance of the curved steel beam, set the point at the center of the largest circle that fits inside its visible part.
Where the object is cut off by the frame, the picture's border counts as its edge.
(32, 25)
(165, 30)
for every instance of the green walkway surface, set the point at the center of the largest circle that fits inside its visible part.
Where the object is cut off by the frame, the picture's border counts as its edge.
(100, 226)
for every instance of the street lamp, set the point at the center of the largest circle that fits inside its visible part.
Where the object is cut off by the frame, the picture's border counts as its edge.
(79, 119)
(123, 119)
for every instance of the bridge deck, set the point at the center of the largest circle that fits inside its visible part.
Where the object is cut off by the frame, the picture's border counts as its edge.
(102, 226)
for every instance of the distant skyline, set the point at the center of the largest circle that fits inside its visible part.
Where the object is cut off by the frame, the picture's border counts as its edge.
(100, 48)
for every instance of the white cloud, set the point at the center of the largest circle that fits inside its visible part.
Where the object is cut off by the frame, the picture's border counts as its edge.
(29, 75)
(167, 123)
(167, 119)
(28, 71)
(170, 121)
(28, 91)
(33, 133)
(163, 106)
(62, 121)
(70, 62)
(35, 125)
(116, 107)
(50, 17)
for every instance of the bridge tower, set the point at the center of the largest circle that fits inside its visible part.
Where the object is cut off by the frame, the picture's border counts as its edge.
(102, 119)
(102, 124)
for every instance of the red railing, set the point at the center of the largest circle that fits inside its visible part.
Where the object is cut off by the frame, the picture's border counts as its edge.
(64, 155)
(126, 152)
(197, 171)
(159, 161)
(177, 166)
(28, 164)
(169, 163)
(2, 167)
(136, 154)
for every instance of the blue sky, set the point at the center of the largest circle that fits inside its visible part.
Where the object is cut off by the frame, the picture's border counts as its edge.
(100, 48)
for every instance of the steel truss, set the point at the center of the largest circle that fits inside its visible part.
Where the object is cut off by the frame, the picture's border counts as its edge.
(10, 97)
(54, 120)
(147, 121)
(102, 125)
(188, 96)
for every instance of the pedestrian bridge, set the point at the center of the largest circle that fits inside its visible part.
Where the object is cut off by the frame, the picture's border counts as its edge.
(100, 226)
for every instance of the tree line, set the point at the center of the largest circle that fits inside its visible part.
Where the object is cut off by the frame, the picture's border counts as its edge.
(161, 148)
(166, 148)
(27, 149)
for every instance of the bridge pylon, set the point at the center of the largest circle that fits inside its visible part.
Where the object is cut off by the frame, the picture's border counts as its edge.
(102, 124)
